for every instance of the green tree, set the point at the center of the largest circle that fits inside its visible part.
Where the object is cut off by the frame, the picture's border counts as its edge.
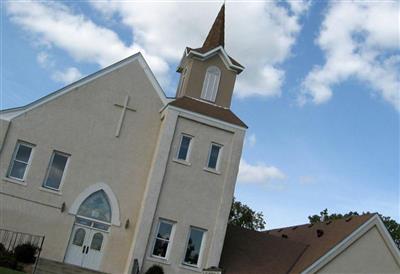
(391, 225)
(242, 215)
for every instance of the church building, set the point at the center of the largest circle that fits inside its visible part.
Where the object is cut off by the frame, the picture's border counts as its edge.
(119, 177)
(116, 175)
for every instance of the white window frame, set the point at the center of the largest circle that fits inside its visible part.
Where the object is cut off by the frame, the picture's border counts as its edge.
(203, 244)
(210, 93)
(171, 238)
(189, 148)
(48, 170)
(28, 164)
(217, 166)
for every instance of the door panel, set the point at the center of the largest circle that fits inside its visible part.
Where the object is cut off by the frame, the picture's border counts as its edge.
(86, 247)
(95, 250)
(77, 244)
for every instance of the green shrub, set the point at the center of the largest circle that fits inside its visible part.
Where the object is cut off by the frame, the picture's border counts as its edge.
(7, 260)
(25, 253)
(155, 269)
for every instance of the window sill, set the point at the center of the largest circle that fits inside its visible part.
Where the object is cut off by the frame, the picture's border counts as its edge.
(190, 267)
(15, 181)
(50, 191)
(212, 170)
(158, 260)
(182, 162)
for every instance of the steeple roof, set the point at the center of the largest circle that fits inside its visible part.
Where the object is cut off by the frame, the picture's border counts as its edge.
(216, 39)
(216, 36)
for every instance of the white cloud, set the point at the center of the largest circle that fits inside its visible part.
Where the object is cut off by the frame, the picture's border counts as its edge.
(259, 173)
(56, 25)
(360, 39)
(68, 76)
(161, 30)
(251, 140)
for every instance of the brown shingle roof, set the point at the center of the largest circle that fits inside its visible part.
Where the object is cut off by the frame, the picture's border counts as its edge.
(333, 232)
(252, 252)
(298, 247)
(216, 36)
(208, 109)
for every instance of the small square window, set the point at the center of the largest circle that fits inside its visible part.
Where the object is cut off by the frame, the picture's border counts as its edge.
(184, 148)
(55, 170)
(162, 239)
(213, 156)
(20, 161)
(194, 247)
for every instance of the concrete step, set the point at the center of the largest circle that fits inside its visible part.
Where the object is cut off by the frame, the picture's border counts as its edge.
(46, 266)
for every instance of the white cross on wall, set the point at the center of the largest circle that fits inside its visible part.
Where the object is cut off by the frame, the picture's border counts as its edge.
(121, 118)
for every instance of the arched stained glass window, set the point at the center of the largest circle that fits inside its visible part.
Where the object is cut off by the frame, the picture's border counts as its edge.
(79, 237)
(96, 206)
(97, 241)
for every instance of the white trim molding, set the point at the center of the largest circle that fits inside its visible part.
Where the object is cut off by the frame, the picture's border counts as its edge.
(227, 61)
(115, 216)
(357, 234)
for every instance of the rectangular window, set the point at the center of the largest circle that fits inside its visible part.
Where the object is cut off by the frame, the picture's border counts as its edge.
(55, 170)
(213, 157)
(183, 152)
(194, 245)
(20, 161)
(162, 239)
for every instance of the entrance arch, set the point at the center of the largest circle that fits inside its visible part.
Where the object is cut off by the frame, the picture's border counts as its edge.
(95, 210)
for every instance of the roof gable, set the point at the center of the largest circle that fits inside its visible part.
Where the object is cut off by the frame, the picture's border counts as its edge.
(304, 251)
(9, 114)
(320, 237)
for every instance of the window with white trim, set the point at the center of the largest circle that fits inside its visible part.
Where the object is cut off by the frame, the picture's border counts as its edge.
(163, 239)
(214, 156)
(210, 84)
(184, 148)
(55, 171)
(194, 247)
(20, 162)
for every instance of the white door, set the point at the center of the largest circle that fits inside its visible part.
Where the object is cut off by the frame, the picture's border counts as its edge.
(94, 250)
(85, 247)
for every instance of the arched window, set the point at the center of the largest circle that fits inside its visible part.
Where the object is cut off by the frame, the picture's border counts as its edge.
(210, 85)
(79, 237)
(96, 206)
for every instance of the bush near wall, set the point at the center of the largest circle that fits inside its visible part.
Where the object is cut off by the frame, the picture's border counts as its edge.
(155, 269)
(24, 253)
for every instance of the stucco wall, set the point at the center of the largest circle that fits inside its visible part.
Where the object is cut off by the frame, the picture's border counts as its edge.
(199, 196)
(369, 254)
(82, 123)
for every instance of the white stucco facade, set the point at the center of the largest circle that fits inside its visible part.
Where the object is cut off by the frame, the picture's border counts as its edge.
(136, 169)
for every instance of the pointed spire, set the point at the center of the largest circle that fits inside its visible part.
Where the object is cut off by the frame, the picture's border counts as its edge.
(216, 36)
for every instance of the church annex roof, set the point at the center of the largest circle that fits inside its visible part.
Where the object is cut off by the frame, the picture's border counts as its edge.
(285, 250)
(208, 109)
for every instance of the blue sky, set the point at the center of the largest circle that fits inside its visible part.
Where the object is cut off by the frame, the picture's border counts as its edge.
(320, 93)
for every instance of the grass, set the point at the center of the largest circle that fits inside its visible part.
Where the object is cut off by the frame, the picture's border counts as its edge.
(9, 271)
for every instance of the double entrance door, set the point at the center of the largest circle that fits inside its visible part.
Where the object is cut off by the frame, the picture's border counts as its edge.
(86, 247)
